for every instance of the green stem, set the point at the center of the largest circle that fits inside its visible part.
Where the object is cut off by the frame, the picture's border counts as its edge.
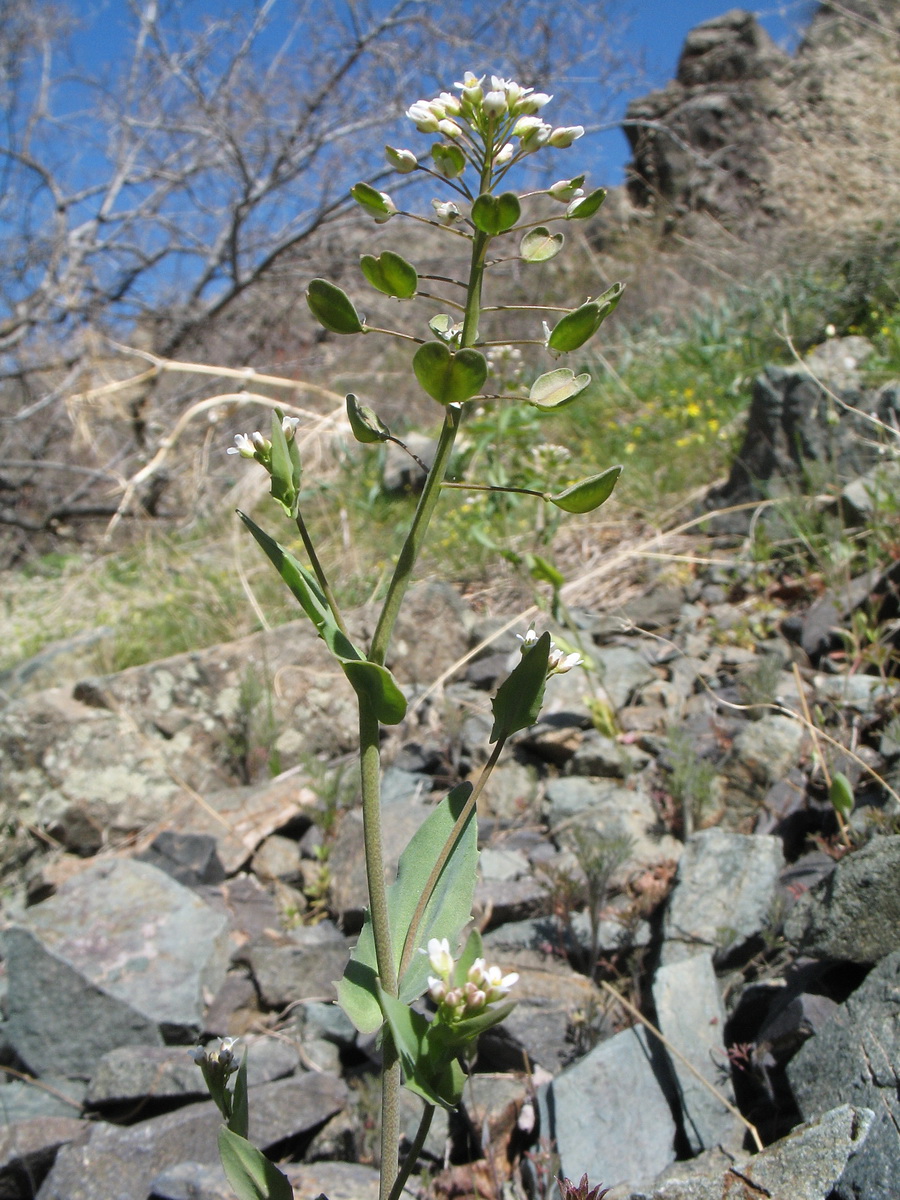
(414, 1151)
(496, 487)
(319, 572)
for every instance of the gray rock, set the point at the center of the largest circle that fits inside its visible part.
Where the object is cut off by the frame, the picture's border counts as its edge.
(622, 672)
(27, 1150)
(21, 1101)
(132, 1072)
(604, 756)
(277, 857)
(191, 858)
(805, 1165)
(192, 1181)
(723, 894)
(300, 965)
(855, 1056)
(691, 1015)
(121, 955)
(611, 812)
(551, 999)
(763, 753)
(854, 913)
(608, 1115)
(120, 1163)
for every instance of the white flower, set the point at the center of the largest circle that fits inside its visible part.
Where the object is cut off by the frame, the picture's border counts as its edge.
(440, 957)
(504, 154)
(422, 117)
(559, 662)
(528, 639)
(289, 427)
(242, 446)
(471, 88)
(447, 212)
(403, 161)
(565, 135)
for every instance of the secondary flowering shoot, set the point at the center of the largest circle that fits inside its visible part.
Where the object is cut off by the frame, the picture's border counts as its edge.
(559, 662)
(458, 998)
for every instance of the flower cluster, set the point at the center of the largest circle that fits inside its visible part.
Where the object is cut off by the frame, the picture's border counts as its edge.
(219, 1063)
(479, 122)
(559, 662)
(254, 445)
(483, 985)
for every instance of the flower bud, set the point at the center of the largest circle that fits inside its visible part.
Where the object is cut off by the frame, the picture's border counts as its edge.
(449, 128)
(533, 103)
(450, 103)
(565, 136)
(536, 137)
(403, 161)
(422, 117)
(504, 154)
(565, 190)
(494, 104)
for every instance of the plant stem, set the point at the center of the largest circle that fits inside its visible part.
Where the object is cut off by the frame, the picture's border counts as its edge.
(415, 1149)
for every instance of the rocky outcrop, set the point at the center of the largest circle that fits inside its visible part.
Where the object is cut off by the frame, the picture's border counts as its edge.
(749, 136)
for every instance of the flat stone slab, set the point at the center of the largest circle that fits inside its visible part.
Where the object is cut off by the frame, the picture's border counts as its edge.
(121, 955)
(691, 1015)
(723, 893)
(608, 1115)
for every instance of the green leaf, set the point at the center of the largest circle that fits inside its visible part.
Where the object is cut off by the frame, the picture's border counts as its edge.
(540, 245)
(373, 683)
(588, 494)
(841, 794)
(495, 214)
(429, 1064)
(585, 206)
(248, 1170)
(557, 388)
(365, 424)
(332, 308)
(449, 909)
(575, 328)
(391, 274)
(447, 376)
(519, 697)
(239, 1121)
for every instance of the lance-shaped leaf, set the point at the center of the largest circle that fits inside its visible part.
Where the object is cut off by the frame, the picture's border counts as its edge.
(391, 274)
(239, 1121)
(585, 206)
(841, 794)
(588, 494)
(519, 697)
(557, 388)
(332, 308)
(365, 424)
(540, 245)
(447, 376)
(445, 914)
(372, 682)
(577, 327)
(248, 1170)
(495, 214)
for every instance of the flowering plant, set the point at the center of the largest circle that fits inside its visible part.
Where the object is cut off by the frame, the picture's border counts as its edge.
(409, 945)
